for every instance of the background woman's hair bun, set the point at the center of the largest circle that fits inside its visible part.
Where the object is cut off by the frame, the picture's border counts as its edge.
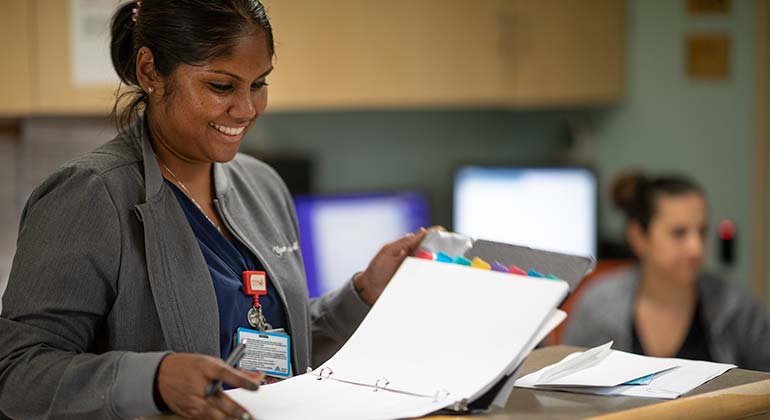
(627, 191)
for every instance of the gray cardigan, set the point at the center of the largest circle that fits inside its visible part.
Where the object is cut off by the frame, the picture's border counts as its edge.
(108, 277)
(737, 328)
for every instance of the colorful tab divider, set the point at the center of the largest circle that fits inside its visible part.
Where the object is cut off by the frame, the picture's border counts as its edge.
(479, 263)
(421, 253)
(496, 266)
(462, 260)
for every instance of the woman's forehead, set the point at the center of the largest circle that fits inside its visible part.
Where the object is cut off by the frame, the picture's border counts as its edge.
(248, 58)
(689, 206)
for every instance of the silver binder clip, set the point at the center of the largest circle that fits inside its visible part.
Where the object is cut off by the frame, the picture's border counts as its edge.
(325, 373)
(440, 395)
(381, 383)
(460, 406)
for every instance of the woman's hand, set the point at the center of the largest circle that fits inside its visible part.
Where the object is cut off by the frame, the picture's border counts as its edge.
(182, 378)
(370, 283)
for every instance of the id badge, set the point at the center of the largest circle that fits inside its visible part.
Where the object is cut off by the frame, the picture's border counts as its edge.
(266, 351)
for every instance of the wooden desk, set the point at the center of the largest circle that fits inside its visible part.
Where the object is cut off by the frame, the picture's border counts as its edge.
(720, 398)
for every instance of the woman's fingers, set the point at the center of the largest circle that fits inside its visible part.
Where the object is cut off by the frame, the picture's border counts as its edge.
(182, 378)
(219, 370)
(229, 408)
(255, 376)
(407, 243)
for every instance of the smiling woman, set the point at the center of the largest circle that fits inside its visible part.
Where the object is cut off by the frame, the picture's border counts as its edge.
(135, 264)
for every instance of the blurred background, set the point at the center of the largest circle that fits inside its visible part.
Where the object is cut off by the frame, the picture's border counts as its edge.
(385, 116)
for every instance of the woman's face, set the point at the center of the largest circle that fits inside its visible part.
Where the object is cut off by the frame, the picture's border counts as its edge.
(675, 242)
(211, 106)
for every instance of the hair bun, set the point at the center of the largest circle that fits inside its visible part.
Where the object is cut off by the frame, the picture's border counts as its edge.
(122, 43)
(626, 191)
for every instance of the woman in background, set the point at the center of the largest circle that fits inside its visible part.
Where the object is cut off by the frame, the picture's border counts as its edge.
(666, 305)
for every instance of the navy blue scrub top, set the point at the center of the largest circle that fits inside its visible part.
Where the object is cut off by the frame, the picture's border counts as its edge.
(227, 261)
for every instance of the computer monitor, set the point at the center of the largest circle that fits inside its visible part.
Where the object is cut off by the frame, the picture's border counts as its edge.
(550, 208)
(339, 234)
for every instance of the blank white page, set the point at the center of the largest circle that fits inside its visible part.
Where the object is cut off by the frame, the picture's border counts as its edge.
(447, 327)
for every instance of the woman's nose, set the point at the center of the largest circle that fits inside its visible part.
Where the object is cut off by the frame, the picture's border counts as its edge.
(243, 107)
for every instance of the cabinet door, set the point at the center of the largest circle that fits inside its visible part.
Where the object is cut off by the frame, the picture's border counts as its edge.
(564, 52)
(56, 91)
(15, 31)
(370, 53)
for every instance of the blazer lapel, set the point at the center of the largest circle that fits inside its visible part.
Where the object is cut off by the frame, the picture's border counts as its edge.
(178, 275)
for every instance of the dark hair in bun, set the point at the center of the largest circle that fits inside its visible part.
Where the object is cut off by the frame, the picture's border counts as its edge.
(636, 195)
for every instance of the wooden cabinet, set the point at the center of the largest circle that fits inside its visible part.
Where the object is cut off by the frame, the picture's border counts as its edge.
(15, 77)
(509, 53)
(350, 54)
(563, 52)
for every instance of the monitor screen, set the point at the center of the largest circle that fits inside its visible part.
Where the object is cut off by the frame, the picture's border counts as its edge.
(339, 234)
(547, 208)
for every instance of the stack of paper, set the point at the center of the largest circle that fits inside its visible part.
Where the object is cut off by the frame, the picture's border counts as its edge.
(604, 371)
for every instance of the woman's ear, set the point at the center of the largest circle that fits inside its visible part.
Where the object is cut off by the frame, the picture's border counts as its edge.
(637, 238)
(146, 73)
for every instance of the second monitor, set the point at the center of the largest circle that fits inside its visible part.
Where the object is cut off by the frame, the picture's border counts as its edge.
(551, 208)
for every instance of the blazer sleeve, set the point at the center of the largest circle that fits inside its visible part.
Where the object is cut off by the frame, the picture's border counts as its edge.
(60, 291)
(334, 317)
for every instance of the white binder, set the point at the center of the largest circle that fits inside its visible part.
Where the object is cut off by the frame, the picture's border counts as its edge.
(441, 336)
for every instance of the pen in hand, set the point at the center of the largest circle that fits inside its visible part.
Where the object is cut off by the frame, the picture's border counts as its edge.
(235, 357)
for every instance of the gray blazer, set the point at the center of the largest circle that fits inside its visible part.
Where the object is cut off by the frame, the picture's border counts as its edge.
(108, 277)
(737, 328)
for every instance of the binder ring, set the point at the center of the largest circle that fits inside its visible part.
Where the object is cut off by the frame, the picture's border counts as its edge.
(329, 372)
(381, 383)
(440, 395)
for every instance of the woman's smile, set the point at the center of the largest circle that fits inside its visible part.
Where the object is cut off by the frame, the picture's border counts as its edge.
(229, 134)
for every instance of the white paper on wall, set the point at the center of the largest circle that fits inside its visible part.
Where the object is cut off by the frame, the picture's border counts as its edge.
(90, 42)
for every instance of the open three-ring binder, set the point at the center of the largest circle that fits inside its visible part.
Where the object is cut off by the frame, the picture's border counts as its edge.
(440, 337)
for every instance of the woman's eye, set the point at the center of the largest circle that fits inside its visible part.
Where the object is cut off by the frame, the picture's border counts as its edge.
(258, 85)
(679, 233)
(220, 87)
